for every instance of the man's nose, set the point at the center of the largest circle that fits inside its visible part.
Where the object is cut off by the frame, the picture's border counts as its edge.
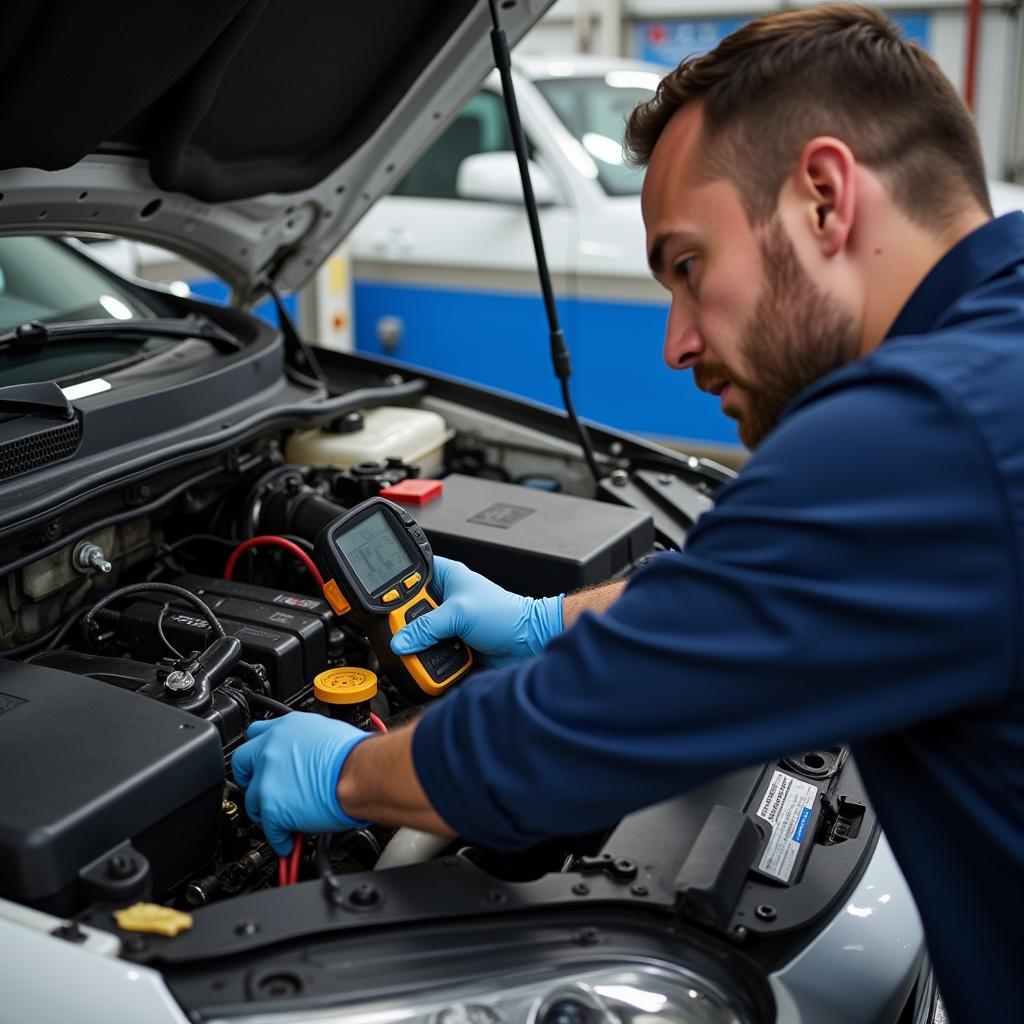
(683, 342)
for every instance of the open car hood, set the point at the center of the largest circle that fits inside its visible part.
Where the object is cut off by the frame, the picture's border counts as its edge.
(247, 135)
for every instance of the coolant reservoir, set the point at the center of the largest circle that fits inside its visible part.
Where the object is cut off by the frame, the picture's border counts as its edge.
(415, 436)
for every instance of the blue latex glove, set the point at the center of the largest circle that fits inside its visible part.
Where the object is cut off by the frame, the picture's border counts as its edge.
(289, 768)
(504, 628)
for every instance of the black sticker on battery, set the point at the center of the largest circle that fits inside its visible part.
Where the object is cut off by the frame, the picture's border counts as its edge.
(501, 515)
(8, 702)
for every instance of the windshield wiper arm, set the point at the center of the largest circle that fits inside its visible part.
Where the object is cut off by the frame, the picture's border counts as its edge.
(34, 333)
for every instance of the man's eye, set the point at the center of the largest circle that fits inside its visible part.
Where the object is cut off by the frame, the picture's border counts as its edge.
(684, 268)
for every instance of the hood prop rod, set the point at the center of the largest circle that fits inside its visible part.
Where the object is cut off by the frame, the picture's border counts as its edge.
(298, 351)
(559, 350)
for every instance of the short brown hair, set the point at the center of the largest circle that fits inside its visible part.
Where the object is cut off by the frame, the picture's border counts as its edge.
(838, 69)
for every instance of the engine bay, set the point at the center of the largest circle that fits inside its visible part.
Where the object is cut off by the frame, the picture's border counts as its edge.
(142, 648)
(191, 623)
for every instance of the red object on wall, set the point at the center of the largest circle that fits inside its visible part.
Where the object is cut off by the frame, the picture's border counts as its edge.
(971, 63)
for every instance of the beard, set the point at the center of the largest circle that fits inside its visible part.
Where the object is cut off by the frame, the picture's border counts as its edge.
(796, 336)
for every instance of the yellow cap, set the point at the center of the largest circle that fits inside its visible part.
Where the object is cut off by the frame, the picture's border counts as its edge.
(345, 685)
(153, 919)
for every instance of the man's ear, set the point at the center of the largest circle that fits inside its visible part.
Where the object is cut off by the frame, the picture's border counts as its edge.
(824, 180)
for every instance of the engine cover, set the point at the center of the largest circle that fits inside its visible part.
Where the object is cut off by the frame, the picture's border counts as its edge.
(532, 542)
(86, 767)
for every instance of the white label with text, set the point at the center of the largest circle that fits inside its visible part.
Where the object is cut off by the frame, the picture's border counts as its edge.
(787, 806)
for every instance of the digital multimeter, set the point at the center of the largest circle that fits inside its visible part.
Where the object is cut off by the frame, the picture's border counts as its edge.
(377, 564)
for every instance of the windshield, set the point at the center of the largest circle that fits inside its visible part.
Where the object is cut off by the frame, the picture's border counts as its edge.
(44, 279)
(595, 111)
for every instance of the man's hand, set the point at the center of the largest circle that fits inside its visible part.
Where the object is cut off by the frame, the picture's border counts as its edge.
(504, 628)
(289, 768)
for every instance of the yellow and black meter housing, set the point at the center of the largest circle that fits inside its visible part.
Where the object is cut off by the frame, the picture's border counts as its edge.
(378, 566)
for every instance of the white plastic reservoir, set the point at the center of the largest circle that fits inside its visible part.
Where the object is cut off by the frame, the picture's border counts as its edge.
(415, 436)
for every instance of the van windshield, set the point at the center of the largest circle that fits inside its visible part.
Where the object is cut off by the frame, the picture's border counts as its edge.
(595, 111)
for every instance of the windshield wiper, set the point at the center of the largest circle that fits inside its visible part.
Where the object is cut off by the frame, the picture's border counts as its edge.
(34, 333)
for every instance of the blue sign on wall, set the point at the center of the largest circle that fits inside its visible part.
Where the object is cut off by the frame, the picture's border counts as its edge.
(668, 42)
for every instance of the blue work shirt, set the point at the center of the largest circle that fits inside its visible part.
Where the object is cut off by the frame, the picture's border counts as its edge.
(860, 581)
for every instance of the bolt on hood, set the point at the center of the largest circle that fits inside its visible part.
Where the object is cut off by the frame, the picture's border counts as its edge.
(247, 135)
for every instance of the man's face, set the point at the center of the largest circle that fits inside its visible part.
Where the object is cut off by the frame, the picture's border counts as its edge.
(745, 315)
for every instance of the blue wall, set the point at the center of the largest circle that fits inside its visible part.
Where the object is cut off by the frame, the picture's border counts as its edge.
(501, 340)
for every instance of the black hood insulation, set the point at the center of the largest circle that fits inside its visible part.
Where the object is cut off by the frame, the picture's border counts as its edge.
(227, 99)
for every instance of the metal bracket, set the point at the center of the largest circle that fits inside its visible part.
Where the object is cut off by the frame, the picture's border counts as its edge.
(619, 869)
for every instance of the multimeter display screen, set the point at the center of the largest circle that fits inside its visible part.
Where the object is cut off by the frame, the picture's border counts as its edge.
(374, 552)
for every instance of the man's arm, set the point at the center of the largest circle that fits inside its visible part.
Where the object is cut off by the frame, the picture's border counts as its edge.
(855, 580)
(379, 783)
(593, 599)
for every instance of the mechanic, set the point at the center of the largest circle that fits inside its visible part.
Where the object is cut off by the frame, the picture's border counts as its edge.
(815, 203)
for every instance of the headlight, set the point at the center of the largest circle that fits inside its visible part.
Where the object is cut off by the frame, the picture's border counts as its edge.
(645, 993)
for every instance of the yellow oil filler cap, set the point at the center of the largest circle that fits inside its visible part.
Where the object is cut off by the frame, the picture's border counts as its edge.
(347, 685)
(152, 919)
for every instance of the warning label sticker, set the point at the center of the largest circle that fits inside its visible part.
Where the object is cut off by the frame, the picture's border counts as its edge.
(787, 806)
(297, 602)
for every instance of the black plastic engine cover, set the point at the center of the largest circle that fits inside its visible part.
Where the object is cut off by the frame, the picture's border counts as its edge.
(86, 766)
(530, 541)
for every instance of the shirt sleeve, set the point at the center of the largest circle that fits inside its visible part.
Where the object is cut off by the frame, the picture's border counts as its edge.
(857, 578)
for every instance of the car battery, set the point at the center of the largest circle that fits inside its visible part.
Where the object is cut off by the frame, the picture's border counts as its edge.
(286, 633)
(530, 541)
